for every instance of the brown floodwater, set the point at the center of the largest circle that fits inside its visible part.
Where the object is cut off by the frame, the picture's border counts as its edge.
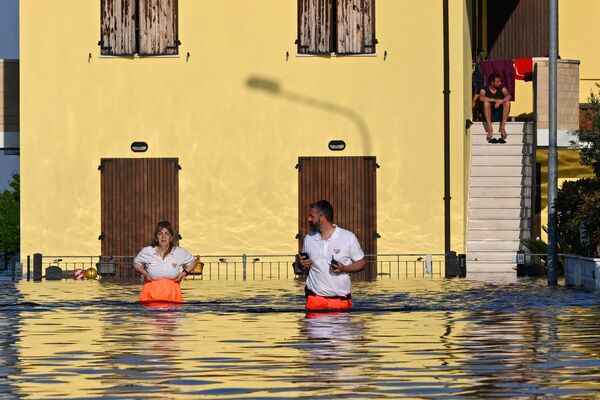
(416, 338)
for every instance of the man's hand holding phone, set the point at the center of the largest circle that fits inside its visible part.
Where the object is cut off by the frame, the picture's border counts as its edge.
(305, 261)
(336, 266)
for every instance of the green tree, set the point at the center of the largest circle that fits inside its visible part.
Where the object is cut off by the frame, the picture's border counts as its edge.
(9, 217)
(589, 139)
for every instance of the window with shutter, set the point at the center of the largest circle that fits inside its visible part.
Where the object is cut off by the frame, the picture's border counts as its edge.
(355, 27)
(144, 27)
(118, 27)
(336, 27)
(158, 27)
(315, 20)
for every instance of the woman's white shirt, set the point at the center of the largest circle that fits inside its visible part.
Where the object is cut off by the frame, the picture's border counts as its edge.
(168, 267)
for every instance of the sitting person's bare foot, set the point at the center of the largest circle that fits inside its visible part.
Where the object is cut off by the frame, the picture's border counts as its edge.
(490, 132)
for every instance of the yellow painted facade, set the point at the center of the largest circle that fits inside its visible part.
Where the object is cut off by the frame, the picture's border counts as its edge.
(237, 142)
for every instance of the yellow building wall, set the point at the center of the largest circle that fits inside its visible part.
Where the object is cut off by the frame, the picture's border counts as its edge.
(578, 41)
(238, 144)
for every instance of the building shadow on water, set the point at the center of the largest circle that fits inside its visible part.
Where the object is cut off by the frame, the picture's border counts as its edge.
(273, 87)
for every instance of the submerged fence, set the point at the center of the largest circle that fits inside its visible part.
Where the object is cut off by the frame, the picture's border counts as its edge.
(239, 267)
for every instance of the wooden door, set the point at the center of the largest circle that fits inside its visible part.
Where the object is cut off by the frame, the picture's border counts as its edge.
(136, 193)
(349, 184)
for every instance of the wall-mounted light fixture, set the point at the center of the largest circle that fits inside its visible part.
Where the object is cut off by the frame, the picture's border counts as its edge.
(337, 145)
(139, 147)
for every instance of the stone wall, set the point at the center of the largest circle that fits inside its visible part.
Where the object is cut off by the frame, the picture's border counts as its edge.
(567, 93)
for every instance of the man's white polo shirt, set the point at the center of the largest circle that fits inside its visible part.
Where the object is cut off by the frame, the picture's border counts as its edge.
(343, 246)
(169, 267)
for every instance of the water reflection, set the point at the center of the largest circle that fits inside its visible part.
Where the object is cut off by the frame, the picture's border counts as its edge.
(9, 339)
(141, 354)
(337, 351)
(417, 339)
(532, 353)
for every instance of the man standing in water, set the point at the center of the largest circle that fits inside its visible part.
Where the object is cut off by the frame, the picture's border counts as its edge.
(330, 253)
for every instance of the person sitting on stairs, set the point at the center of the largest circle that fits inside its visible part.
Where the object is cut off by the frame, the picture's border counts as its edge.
(496, 107)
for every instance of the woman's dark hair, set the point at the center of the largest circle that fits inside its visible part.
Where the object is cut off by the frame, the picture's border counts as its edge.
(323, 208)
(159, 227)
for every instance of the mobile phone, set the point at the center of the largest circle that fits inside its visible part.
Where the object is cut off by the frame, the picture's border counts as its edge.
(297, 266)
(334, 261)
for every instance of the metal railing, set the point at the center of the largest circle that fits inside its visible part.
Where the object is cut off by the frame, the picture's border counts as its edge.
(251, 267)
(533, 260)
(9, 264)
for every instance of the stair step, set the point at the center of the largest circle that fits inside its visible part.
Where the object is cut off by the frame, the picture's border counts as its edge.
(506, 214)
(494, 159)
(491, 268)
(493, 245)
(499, 203)
(497, 234)
(512, 138)
(478, 127)
(499, 171)
(492, 256)
(502, 224)
(503, 181)
(505, 191)
(503, 149)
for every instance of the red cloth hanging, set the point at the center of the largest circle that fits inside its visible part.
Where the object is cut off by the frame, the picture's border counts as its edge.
(523, 68)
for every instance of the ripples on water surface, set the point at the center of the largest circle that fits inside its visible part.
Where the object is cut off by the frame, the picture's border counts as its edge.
(411, 338)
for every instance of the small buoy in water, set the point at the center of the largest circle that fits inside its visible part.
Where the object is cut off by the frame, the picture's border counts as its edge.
(78, 274)
(91, 273)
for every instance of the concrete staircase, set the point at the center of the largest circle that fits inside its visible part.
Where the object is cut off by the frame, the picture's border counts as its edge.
(500, 190)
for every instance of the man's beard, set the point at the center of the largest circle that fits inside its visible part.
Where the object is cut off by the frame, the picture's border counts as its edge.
(315, 227)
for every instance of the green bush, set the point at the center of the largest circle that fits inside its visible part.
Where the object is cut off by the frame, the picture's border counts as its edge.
(539, 247)
(577, 212)
(9, 218)
(578, 202)
(589, 139)
(589, 212)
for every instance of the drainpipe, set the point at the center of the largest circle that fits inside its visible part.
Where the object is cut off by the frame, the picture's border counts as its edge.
(446, 129)
(552, 149)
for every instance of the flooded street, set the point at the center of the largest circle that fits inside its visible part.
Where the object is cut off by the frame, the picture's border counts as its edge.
(405, 338)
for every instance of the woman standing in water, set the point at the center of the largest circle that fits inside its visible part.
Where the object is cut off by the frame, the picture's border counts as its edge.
(163, 266)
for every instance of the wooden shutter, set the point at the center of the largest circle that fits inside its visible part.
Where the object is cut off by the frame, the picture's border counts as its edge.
(315, 22)
(117, 36)
(135, 195)
(158, 27)
(349, 184)
(356, 26)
